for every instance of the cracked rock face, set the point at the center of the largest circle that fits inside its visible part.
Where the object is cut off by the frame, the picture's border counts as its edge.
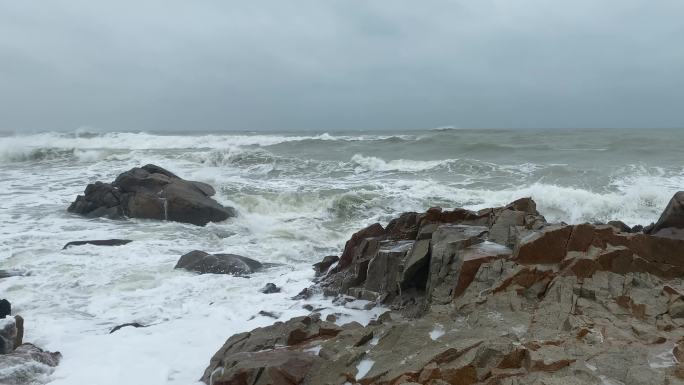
(497, 296)
(154, 193)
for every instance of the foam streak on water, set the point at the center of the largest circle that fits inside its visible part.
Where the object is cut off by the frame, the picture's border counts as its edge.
(299, 196)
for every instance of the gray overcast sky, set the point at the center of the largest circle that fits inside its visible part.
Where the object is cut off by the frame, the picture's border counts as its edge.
(326, 65)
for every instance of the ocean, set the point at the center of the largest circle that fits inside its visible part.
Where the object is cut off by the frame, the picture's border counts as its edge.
(299, 197)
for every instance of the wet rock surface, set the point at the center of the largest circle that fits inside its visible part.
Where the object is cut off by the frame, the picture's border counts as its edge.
(129, 324)
(205, 263)
(497, 296)
(270, 288)
(98, 242)
(5, 308)
(154, 193)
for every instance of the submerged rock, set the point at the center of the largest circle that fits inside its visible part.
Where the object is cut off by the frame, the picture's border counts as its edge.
(27, 364)
(98, 242)
(203, 263)
(270, 288)
(154, 193)
(130, 324)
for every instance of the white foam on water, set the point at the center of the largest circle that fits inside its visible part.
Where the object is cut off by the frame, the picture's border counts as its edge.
(363, 367)
(637, 202)
(664, 359)
(372, 163)
(4, 322)
(28, 147)
(437, 332)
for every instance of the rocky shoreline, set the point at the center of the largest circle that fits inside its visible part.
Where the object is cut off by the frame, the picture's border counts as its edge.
(497, 296)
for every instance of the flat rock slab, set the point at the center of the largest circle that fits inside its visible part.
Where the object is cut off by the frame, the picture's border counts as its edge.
(98, 242)
(130, 324)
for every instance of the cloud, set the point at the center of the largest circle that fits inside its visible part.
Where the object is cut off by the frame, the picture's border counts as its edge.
(333, 65)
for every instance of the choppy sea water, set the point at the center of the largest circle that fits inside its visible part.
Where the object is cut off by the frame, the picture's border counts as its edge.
(299, 197)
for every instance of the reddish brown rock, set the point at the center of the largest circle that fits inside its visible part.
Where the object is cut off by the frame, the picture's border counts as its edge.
(430, 372)
(678, 351)
(584, 267)
(404, 227)
(272, 367)
(527, 205)
(437, 215)
(473, 258)
(526, 278)
(544, 247)
(517, 358)
(466, 375)
(581, 237)
(352, 245)
(549, 358)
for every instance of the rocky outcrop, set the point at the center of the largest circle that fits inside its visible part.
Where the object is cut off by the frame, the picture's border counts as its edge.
(22, 363)
(497, 296)
(203, 263)
(98, 242)
(154, 193)
(257, 357)
(421, 258)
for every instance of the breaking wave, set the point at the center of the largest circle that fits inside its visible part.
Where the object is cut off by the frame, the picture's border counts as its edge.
(373, 163)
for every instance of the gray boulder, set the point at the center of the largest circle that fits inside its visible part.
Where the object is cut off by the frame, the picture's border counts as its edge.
(5, 308)
(203, 263)
(154, 193)
(672, 217)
